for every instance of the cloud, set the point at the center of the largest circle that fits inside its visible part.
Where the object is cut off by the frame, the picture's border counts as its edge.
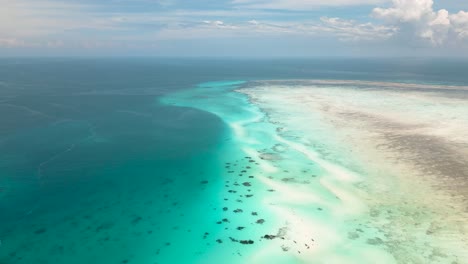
(405, 10)
(21, 18)
(418, 19)
(299, 5)
(345, 30)
(460, 24)
(34, 18)
(351, 30)
(11, 43)
(59, 24)
(219, 24)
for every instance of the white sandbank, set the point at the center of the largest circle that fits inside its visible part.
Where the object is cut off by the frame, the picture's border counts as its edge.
(394, 156)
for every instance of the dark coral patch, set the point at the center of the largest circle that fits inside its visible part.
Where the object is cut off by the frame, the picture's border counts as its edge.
(260, 221)
(40, 231)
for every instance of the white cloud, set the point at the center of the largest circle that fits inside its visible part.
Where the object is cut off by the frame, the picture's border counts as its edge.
(345, 30)
(405, 10)
(55, 23)
(29, 19)
(418, 18)
(11, 43)
(26, 18)
(442, 18)
(460, 19)
(299, 4)
(351, 30)
(460, 24)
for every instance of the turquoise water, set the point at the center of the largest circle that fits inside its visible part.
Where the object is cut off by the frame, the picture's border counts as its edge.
(149, 161)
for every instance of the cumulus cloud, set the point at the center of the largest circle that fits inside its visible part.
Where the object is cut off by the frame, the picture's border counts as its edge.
(405, 10)
(417, 18)
(460, 24)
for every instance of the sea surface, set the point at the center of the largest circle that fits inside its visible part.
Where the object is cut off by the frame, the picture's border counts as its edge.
(147, 160)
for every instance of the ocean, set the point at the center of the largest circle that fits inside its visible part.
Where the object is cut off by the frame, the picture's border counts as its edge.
(158, 160)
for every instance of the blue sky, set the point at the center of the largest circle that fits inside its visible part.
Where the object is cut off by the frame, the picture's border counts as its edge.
(244, 28)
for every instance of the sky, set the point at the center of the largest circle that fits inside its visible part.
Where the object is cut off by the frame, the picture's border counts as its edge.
(234, 28)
